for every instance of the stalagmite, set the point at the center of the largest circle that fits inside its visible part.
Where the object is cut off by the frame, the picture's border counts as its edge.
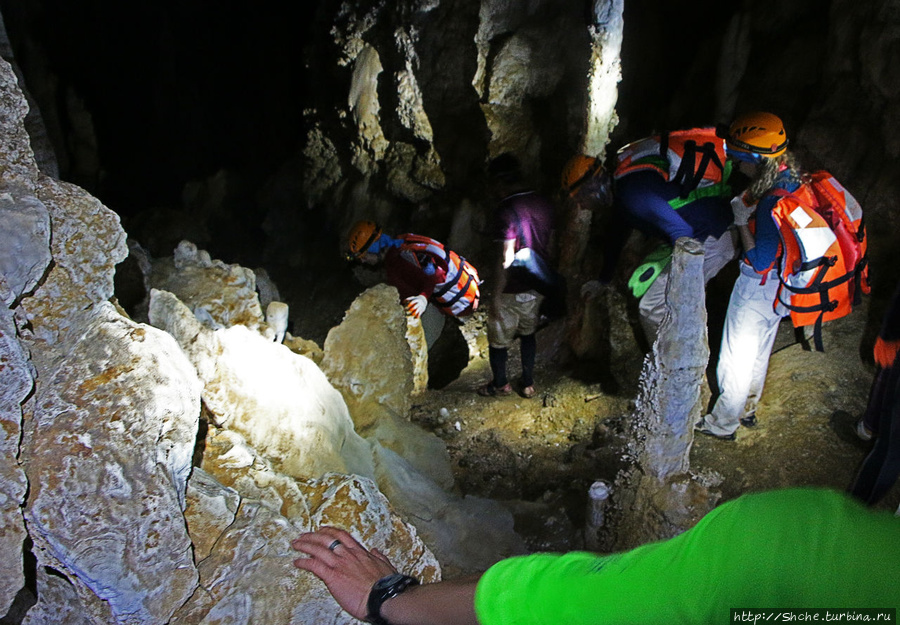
(598, 499)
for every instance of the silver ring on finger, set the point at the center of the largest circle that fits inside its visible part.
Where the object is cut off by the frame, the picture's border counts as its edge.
(334, 544)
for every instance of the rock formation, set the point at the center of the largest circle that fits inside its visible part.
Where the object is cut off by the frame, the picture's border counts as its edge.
(100, 422)
(657, 496)
(156, 473)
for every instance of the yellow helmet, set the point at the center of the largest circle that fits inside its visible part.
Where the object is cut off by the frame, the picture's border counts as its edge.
(362, 235)
(759, 134)
(579, 170)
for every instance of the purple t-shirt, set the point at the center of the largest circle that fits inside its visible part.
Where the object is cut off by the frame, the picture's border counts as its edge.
(528, 218)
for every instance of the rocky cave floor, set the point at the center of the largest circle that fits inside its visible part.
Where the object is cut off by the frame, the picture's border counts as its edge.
(539, 456)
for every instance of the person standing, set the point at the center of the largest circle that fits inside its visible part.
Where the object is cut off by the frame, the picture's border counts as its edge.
(881, 421)
(523, 234)
(758, 143)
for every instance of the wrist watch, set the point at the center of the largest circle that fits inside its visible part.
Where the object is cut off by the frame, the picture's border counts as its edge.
(384, 589)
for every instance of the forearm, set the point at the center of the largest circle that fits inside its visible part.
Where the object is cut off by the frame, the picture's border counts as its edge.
(351, 572)
(443, 603)
(748, 242)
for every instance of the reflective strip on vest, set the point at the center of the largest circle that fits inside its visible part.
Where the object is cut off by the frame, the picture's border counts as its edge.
(815, 240)
(852, 208)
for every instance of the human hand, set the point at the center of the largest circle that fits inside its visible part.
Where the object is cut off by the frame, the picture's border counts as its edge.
(349, 570)
(416, 305)
(741, 211)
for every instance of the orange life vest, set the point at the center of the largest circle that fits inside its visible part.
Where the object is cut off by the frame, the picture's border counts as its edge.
(693, 158)
(823, 265)
(460, 292)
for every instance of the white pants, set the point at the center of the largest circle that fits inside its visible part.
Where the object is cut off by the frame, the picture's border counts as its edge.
(716, 254)
(751, 325)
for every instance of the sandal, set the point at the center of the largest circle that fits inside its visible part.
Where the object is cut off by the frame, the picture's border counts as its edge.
(489, 390)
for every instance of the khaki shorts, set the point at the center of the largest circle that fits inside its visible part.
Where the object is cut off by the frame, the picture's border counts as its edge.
(517, 314)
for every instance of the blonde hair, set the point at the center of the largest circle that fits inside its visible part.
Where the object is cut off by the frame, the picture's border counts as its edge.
(769, 171)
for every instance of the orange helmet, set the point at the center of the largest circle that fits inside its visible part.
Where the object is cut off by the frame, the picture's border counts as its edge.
(759, 134)
(578, 170)
(362, 235)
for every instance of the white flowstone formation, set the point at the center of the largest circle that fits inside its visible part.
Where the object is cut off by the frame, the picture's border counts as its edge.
(223, 295)
(280, 402)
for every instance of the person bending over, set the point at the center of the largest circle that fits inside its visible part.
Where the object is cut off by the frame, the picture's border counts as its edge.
(428, 276)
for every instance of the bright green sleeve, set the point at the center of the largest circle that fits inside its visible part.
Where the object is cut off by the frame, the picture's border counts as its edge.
(581, 588)
(791, 548)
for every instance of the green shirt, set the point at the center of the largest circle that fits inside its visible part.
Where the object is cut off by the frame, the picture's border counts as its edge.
(792, 548)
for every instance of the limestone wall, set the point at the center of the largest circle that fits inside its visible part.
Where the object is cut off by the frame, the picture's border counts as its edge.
(101, 422)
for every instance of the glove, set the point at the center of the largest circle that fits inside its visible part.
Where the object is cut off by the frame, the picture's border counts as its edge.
(415, 305)
(741, 211)
(886, 352)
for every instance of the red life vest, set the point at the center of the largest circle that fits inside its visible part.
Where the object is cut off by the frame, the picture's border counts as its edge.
(823, 266)
(693, 158)
(458, 294)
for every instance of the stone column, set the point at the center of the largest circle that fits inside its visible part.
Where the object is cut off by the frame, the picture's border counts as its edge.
(606, 71)
(670, 401)
(658, 497)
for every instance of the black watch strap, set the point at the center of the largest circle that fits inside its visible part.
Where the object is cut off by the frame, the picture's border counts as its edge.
(384, 589)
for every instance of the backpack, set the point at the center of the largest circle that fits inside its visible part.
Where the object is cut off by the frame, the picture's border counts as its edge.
(823, 267)
(460, 292)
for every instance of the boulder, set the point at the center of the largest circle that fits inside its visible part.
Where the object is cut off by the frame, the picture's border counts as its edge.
(15, 385)
(367, 358)
(249, 513)
(107, 450)
(222, 295)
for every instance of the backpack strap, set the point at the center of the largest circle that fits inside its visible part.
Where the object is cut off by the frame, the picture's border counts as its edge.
(690, 173)
(452, 279)
(720, 189)
(820, 287)
(686, 173)
(462, 291)
(664, 145)
(861, 264)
